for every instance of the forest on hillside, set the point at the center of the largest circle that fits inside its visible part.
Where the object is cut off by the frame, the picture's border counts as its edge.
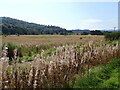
(12, 26)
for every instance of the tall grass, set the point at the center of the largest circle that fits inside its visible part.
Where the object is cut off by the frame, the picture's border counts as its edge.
(56, 70)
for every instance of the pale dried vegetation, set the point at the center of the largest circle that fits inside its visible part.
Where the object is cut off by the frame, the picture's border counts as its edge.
(49, 40)
(55, 71)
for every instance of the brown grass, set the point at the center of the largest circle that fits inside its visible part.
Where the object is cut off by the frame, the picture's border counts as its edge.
(49, 40)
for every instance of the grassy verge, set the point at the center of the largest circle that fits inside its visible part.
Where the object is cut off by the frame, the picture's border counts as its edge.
(105, 76)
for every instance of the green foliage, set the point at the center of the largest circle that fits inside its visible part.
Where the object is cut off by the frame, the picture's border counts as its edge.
(12, 26)
(26, 58)
(27, 53)
(113, 42)
(85, 33)
(48, 52)
(112, 36)
(11, 48)
(105, 76)
(111, 83)
(96, 32)
(23, 52)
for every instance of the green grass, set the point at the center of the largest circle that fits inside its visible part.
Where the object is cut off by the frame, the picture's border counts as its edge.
(48, 52)
(26, 58)
(46, 37)
(105, 76)
(114, 42)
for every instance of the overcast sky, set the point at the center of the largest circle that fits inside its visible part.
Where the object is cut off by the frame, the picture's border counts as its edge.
(66, 14)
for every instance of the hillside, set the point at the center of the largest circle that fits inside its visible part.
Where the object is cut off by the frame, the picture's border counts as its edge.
(14, 26)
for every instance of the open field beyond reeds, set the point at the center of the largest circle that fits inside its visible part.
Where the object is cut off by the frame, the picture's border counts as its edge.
(54, 40)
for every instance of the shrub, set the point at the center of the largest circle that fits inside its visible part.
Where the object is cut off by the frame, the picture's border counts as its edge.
(112, 36)
(11, 48)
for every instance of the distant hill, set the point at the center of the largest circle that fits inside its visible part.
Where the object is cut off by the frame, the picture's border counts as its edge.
(110, 30)
(87, 32)
(14, 26)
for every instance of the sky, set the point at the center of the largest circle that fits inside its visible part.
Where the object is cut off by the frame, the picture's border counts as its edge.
(68, 14)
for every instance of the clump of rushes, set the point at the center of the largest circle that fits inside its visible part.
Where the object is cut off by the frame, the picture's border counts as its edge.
(64, 63)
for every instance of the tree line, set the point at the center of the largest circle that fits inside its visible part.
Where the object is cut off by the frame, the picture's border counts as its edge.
(12, 26)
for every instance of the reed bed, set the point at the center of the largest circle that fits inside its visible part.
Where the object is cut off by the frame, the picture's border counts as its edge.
(56, 70)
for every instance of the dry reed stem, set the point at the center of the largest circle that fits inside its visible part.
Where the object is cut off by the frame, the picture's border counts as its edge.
(65, 63)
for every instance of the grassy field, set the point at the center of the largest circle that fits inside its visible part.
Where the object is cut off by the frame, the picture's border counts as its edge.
(48, 40)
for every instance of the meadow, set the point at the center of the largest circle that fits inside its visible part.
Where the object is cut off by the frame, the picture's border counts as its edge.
(49, 40)
(63, 61)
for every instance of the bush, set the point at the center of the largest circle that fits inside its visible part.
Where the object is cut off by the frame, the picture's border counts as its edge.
(112, 36)
(96, 32)
(11, 48)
